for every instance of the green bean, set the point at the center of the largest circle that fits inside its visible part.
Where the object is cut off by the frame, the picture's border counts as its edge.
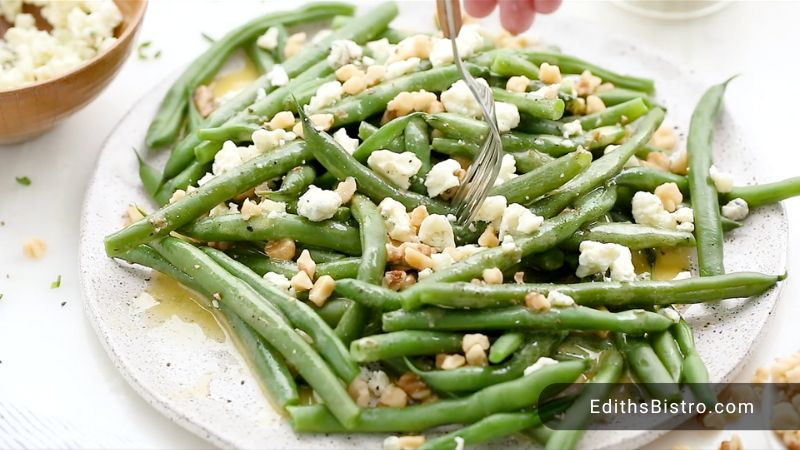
(547, 261)
(342, 165)
(471, 132)
(374, 100)
(396, 144)
(293, 184)
(262, 264)
(621, 95)
(194, 120)
(321, 255)
(694, 372)
(668, 353)
(647, 368)
(150, 178)
(166, 125)
(299, 314)
(268, 364)
(729, 224)
(232, 227)
(527, 188)
(505, 346)
(260, 58)
(384, 134)
(648, 179)
(341, 268)
(530, 160)
(635, 321)
(465, 379)
(366, 129)
(404, 343)
(418, 141)
(373, 263)
(304, 93)
(633, 236)
(533, 125)
(509, 64)
(221, 188)
(764, 194)
(577, 418)
(484, 430)
(602, 170)
(607, 293)
(618, 114)
(705, 203)
(512, 395)
(283, 35)
(257, 313)
(571, 64)
(333, 310)
(299, 66)
(187, 177)
(369, 295)
(534, 107)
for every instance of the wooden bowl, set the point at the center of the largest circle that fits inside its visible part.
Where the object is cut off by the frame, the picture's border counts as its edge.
(33, 109)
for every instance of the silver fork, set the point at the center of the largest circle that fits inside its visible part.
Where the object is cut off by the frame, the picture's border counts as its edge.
(483, 171)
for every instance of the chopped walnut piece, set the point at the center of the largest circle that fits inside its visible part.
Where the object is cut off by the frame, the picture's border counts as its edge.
(283, 249)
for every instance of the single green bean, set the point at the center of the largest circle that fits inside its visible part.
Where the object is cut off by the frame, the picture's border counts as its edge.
(705, 201)
(634, 321)
(187, 177)
(404, 343)
(694, 372)
(534, 107)
(299, 314)
(512, 395)
(648, 179)
(382, 136)
(252, 308)
(466, 379)
(633, 236)
(333, 310)
(648, 369)
(606, 293)
(293, 184)
(505, 346)
(602, 170)
(232, 227)
(668, 353)
(571, 64)
(618, 114)
(764, 194)
(509, 64)
(369, 295)
(527, 188)
(417, 140)
(193, 205)
(621, 95)
(261, 264)
(262, 59)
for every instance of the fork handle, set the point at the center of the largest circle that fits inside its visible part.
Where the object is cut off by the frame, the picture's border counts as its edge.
(441, 14)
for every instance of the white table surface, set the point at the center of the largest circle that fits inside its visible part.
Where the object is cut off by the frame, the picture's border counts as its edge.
(50, 360)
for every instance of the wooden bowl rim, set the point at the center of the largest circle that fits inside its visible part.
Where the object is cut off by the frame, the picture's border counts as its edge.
(135, 20)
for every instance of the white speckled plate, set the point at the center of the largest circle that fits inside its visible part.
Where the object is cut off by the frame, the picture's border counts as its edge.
(203, 385)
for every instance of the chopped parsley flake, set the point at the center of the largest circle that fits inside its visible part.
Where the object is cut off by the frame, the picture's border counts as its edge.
(56, 284)
(25, 181)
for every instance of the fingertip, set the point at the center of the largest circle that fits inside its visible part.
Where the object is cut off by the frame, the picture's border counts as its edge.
(546, 6)
(515, 15)
(479, 8)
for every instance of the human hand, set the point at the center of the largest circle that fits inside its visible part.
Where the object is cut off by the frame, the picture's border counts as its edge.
(515, 15)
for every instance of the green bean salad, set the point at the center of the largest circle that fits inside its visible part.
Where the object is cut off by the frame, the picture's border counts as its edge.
(311, 210)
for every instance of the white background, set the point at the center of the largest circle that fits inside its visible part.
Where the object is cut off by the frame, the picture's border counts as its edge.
(50, 358)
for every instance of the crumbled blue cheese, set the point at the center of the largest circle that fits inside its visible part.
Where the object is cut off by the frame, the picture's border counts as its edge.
(81, 30)
(458, 99)
(508, 170)
(229, 157)
(459, 441)
(572, 128)
(469, 41)
(266, 140)
(647, 209)
(723, 181)
(507, 116)
(327, 94)
(437, 232)
(269, 40)
(442, 261)
(266, 206)
(736, 209)
(380, 49)
(343, 52)
(491, 210)
(518, 219)
(685, 219)
(560, 300)
(599, 257)
(278, 280)
(546, 92)
(277, 76)
(349, 144)
(399, 68)
(398, 222)
(442, 176)
(318, 204)
(685, 275)
(398, 168)
(543, 361)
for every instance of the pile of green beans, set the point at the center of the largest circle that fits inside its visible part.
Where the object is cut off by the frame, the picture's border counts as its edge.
(336, 304)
